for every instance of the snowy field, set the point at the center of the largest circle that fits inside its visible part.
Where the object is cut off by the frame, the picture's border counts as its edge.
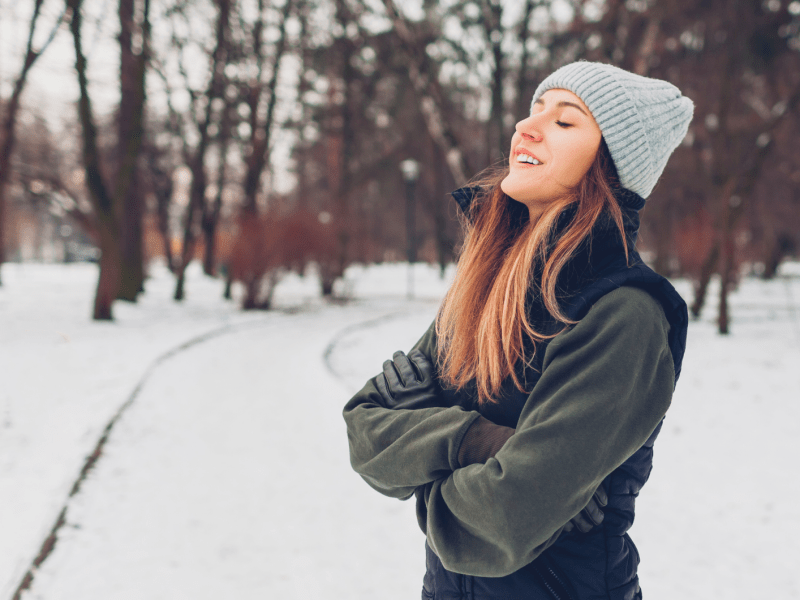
(227, 474)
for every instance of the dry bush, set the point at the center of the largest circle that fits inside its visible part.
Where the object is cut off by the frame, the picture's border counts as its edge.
(693, 240)
(269, 246)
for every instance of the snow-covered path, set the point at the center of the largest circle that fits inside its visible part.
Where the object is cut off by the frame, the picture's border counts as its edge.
(229, 476)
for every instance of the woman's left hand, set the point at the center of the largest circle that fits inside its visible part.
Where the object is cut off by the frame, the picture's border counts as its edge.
(407, 381)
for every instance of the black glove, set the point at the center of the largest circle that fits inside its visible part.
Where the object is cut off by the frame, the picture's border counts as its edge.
(591, 516)
(407, 381)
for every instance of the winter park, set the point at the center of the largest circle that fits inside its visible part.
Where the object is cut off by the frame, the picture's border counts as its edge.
(228, 475)
(218, 220)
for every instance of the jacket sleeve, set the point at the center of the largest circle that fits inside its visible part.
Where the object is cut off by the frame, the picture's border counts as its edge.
(396, 450)
(605, 385)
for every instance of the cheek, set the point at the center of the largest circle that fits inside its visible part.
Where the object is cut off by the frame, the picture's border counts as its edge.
(581, 157)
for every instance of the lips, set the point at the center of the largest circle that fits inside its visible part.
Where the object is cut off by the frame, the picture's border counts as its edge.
(525, 156)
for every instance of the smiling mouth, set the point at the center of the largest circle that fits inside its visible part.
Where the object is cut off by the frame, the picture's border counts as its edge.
(528, 159)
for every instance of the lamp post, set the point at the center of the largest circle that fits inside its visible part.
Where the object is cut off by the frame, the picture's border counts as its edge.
(410, 169)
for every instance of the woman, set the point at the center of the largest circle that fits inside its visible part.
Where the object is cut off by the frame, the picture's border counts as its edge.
(524, 418)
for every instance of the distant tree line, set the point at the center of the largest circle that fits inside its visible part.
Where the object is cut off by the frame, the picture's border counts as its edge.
(214, 95)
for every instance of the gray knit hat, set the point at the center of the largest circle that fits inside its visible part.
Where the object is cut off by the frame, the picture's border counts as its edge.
(642, 119)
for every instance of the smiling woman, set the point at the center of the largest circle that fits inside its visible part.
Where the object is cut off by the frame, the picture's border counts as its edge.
(524, 419)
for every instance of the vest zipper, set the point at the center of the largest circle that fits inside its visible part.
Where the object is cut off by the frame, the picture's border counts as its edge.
(563, 587)
(553, 583)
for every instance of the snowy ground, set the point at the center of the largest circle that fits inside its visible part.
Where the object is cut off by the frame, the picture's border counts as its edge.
(228, 475)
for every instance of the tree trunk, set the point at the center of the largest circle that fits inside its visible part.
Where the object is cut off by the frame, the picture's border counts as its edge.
(108, 282)
(326, 285)
(701, 287)
(726, 265)
(166, 239)
(260, 131)
(249, 302)
(180, 280)
(778, 247)
(723, 320)
(162, 188)
(197, 163)
(103, 203)
(495, 143)
(209, 247)
(523, 99)
(340, 144)
(130, 132)
(211, 214)
(132, 243)
(226, 293)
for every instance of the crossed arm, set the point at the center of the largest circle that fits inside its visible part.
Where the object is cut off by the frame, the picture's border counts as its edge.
(409, 382)
(605, 386)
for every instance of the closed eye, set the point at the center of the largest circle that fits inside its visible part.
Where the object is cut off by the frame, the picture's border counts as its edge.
(564, 125)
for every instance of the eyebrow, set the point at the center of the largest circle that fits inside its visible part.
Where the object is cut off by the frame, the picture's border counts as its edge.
(561, 104)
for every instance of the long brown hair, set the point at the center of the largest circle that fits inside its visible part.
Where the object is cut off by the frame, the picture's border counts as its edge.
(483, 325)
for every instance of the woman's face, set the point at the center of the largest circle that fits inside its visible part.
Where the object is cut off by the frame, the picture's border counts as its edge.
(551, 150)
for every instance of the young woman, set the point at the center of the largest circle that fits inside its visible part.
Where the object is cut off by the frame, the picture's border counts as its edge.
(524, 419)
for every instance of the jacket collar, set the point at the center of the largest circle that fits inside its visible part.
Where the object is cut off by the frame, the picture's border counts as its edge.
(630, 203)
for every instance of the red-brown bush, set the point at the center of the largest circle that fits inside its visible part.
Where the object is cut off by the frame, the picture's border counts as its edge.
(271, 245)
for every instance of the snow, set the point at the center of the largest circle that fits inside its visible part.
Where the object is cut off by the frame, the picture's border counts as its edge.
(228, 475)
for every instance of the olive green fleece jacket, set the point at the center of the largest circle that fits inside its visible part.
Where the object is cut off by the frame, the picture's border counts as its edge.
(606, 383)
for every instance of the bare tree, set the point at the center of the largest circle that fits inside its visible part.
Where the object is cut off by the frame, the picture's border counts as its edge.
(212, 210)
(103, 202)
(196, 157)
(160, 164)
(424, 76)
(496, 143)
(523, 80)
(12, 108)
(257, 93)
(106, 200)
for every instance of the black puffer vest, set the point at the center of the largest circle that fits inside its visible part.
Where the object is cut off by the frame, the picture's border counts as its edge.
(600, 564)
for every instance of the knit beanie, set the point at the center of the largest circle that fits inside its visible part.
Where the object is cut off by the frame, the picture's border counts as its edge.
(642, 119)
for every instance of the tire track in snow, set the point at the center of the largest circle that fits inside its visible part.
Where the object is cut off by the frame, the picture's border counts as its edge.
(342, 334)
(49, 543)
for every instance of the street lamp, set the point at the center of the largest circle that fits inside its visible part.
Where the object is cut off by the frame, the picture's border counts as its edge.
(410, 169)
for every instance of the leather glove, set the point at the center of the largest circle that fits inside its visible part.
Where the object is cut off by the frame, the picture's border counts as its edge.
(407, 381)
(591, 516)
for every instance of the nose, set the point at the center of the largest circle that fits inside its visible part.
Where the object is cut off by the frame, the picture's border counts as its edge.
(528, 128)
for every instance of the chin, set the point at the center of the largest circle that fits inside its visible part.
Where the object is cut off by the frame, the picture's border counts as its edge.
(512, 191)
(507, 188)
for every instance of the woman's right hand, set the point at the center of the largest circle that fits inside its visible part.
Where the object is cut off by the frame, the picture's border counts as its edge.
(591, 516)
(408, 381)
